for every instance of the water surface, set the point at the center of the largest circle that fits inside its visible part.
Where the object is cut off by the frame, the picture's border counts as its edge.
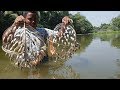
(97, 58)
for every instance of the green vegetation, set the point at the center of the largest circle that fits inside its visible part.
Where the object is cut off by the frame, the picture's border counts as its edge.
(113, 27)
(49, 19)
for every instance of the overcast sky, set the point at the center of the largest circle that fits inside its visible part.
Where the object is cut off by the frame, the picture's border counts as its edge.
(98, 17)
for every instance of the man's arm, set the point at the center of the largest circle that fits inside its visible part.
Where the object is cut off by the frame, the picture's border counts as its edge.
(11, 30)
(65, 22)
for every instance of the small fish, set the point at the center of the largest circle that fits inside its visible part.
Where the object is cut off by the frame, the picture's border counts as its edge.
(16, 49)
(14, 45)
(11, 56)
(65, 43)
(9, 38)
(20, 49)
(17, 57)
(67, 40)
(67, 36)
(6, 54)
(13, 40)
(62, 41)
(72, 38)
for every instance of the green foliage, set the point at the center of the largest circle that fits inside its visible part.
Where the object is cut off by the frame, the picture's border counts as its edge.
(116, 22)
(50, 19)
(116, 41)
(6, 20)
(84, 41)
(113, 26)
(96, 29)
(81, 24)
(104, 27)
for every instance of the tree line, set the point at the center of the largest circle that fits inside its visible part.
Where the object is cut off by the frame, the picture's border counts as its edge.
(49, 19)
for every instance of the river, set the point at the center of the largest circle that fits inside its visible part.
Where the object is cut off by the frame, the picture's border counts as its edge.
(97, 58)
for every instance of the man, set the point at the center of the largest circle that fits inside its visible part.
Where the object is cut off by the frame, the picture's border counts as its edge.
(31, 18)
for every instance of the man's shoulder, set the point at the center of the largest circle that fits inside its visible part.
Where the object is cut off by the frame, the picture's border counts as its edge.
(40, 29)
(45, 30)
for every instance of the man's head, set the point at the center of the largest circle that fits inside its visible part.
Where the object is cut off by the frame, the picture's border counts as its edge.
(31, 18)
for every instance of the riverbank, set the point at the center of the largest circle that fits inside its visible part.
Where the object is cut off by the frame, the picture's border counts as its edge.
(106, 32)
(101, 32)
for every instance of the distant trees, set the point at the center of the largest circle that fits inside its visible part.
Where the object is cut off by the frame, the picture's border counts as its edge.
(50, 19)
(81, 24)
(114, 25)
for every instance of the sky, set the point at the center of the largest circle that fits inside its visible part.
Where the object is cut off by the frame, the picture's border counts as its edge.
(98, 17)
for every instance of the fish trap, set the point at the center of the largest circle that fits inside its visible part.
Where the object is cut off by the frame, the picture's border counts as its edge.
(62, 45)
(25, 47)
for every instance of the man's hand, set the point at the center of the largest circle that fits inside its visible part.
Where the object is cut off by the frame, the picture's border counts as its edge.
(19, 20)
(66, 20)
(11, 30)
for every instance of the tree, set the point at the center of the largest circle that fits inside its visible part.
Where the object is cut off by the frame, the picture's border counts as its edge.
(81, 24)
(6, 19)
(50, 19)
(116, 22)
(104, 27)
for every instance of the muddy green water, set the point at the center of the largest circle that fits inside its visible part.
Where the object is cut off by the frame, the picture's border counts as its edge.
(97, 58)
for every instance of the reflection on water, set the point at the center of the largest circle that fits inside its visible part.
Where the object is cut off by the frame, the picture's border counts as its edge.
(84, 41)
(112, 38)
(97, 57)
(117, 73)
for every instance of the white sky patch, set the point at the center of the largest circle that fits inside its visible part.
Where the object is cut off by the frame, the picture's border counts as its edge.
(98, 17)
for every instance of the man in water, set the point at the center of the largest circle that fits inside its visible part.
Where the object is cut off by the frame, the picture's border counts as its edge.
(31, 18)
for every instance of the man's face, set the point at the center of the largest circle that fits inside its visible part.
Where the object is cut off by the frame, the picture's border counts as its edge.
(31, 19)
